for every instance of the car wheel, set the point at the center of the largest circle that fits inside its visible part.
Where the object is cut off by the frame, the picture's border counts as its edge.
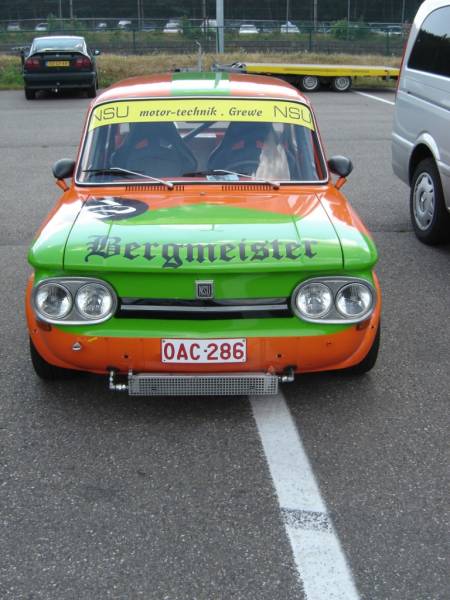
(309, 83)
(92, 90)
(369, 361)
(429, 216)
(341, 84)
(30, 94)
(45, 370)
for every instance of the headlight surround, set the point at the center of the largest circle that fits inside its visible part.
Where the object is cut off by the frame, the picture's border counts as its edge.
(88, 300)
(53, 301)
(354, 300)
(94, 301)
(314, 300)
(334, 300)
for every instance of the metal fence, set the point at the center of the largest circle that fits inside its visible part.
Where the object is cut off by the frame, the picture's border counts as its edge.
(133, 37)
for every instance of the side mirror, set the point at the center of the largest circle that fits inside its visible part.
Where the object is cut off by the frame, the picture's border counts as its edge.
(342, 166)
(63, 168)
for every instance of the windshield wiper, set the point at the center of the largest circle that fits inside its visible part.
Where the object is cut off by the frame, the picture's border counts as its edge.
(120, 171)
(274, 184)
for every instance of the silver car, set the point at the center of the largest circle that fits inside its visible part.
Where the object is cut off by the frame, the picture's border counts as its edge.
(248, 29)
(421, 138)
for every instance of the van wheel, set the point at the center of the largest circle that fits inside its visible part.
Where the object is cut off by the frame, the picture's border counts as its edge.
(429, 216)
(309, 83)
(341, 84)
(30, 94)
(369, 361)
(45, 370)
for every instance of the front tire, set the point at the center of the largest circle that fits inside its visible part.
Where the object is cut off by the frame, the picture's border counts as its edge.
(429, 216)
(369, 361)
(45, 370)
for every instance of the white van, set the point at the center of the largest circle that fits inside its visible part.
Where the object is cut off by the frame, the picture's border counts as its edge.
(421, 131)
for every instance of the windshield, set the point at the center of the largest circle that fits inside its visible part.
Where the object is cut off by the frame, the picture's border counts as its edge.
(201, 140)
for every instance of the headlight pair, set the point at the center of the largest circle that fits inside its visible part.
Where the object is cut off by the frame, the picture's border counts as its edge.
(334, 300)
(74, 301)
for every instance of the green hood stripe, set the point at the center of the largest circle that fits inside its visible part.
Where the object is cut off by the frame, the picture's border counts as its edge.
(206, 84)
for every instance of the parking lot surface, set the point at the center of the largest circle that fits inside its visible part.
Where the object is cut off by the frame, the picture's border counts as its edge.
(103, 496)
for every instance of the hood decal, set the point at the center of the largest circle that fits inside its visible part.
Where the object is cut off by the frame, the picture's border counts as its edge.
(174, 255)
(167, 233)
(114, 208)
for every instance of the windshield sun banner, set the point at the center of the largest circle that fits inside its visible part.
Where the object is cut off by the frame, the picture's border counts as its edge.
(203, 109)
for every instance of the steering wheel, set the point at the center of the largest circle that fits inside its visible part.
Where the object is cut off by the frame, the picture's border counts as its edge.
(249, 167)
(246, 167)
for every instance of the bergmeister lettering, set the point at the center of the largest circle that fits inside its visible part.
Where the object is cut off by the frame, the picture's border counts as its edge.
(174, 255)
(103, 246)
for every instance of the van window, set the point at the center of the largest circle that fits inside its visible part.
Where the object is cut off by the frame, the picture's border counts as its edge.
(431, 50)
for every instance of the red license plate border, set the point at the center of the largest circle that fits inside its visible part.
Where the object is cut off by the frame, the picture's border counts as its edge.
(218, 351)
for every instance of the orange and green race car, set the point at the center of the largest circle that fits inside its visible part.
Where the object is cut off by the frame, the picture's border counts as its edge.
(202, 246)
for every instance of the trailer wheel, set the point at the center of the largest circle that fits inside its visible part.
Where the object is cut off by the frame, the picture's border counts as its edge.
(309, 83)
(341, 84)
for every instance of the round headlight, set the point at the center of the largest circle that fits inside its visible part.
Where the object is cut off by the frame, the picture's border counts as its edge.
(354, 300)
(314, 300)
(53, 301)
(94, 301)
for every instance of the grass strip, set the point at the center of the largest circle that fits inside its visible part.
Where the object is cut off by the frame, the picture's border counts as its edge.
(113, 67)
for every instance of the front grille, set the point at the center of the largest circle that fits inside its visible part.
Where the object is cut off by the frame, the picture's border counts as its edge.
(254, 308)
(223, 384)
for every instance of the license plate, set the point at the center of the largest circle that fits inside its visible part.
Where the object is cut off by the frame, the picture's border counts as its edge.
(204, 351)
(58, 63)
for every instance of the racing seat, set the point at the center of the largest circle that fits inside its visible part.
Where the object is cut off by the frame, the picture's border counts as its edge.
(241, 147)
(155, 149)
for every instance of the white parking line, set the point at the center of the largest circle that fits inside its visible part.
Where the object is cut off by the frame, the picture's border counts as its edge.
(318, 555)
(374, 97)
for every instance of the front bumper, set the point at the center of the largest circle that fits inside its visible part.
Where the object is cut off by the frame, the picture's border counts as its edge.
(274, 354)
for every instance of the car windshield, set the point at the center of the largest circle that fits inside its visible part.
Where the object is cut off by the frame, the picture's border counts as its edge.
(202, 139)
(54, 43)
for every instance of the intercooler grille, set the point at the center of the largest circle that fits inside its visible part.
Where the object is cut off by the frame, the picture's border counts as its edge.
(223, 384)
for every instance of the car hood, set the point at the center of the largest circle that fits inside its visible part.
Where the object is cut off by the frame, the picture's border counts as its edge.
(174, 231)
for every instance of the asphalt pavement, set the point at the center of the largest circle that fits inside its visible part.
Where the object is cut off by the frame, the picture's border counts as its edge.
(103, 496)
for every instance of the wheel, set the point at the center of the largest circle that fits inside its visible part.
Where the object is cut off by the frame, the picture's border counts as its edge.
(341, 84)
(92, 90)
(429, 216)
(309, 83)
(45, 370)
(30, 94)
(369, 361)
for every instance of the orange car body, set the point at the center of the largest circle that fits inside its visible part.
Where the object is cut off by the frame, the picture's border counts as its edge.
(254, 242)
